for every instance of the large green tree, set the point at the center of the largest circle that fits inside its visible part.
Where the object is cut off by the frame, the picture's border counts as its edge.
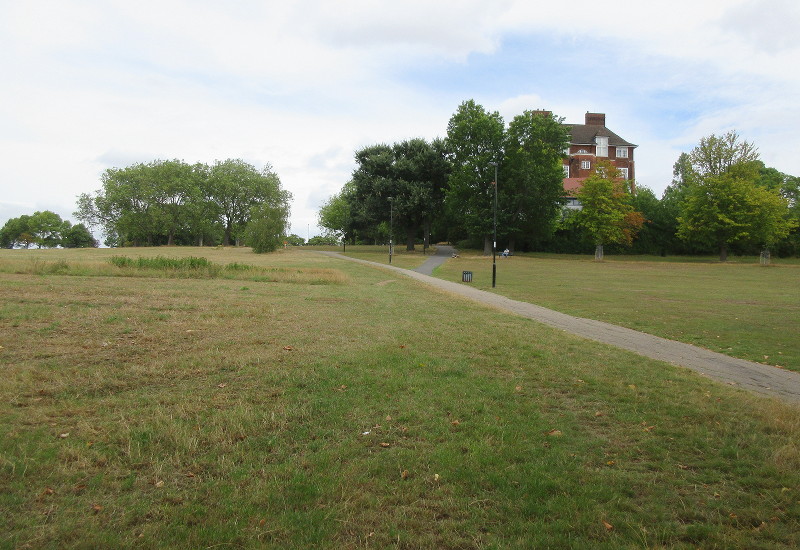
(731, 209)
(474, 144)
(731, 200)
(532, 192)
(401, 185)
(607, 212)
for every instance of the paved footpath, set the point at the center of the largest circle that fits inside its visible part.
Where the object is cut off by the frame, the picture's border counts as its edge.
(764, 379)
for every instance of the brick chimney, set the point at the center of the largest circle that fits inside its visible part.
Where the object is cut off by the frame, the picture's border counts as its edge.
(595, 119)
(541, 112)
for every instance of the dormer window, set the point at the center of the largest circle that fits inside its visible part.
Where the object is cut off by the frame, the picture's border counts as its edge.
(583, 152)
(602, 146)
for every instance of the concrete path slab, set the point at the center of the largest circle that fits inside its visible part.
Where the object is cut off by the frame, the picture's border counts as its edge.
(763, 379)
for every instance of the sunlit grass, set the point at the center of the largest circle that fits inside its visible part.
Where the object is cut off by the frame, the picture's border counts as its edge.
(741, 309)
(212, 412)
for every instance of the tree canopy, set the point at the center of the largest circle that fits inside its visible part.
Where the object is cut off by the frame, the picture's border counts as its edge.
(170, 202)
(45, 229)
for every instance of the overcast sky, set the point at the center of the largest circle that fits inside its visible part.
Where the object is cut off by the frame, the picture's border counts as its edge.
(89, 85)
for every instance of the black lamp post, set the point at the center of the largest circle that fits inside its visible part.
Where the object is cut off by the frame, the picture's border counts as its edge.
(494, 241)
(391, 225)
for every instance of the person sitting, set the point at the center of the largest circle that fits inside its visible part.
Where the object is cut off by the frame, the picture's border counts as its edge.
(505, 253)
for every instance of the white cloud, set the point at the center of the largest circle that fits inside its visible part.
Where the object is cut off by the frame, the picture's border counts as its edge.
(302, 85)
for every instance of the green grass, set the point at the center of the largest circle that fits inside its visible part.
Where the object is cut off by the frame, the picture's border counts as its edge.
(156, 412)
(737, 308)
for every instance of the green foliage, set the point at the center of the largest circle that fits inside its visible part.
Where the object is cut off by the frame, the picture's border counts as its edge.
(608, 215)
(160, 262)
(170, 202)
(734, 199)
(716, 155)
(264, 232)
(474, 141)
(532, 192)
(294, 240)
(45, 229)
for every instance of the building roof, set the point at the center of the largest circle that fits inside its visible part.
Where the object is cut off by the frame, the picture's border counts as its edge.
(571, 185)
(584, 134)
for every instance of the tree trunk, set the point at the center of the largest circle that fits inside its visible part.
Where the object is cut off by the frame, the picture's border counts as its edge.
(487, 245)
(512, 242)
(171, 239)
(411, 233)
(765, 257)
(723, 252)
(598, 253)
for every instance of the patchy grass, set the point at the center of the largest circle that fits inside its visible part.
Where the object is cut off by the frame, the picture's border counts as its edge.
(740, 309)
(192, 413)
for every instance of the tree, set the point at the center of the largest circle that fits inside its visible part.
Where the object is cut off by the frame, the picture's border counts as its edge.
(732, 200)
(45, 226)
(17, 232)
(607, 214)
(77, 236)
(730, 209)
(235, 187)
(532, 190)
(267, 225)
(716, 155)
(335, 216)
(474, 142)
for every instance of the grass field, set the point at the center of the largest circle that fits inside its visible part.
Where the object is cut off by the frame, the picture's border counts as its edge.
(341, 406)
(738, 308)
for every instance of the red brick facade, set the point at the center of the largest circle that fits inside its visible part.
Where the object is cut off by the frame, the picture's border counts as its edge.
(592, 142)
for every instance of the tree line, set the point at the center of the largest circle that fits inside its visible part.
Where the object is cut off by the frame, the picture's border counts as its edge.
(169, 202)
(45, 229)
(722, 197)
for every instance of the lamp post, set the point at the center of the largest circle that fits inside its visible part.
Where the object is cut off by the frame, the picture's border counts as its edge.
(494, 241)
(391, 225)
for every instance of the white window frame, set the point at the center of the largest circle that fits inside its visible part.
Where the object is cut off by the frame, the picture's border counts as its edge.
(623, 173)
(622, 152)
(566, 170)
(601, 146)
(586, 165)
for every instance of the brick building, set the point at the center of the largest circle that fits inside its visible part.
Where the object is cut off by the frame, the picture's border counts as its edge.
(591, 142)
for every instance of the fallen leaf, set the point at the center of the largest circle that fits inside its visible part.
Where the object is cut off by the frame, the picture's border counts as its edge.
(404, 474)
(48, 491)
(436, 477)
(518, 389)
(455, 422)
(607, 525)
(649, 428)
(288, 348)
(611, 462)
(190, 474)
(263, 522)
(221, 385)
(96, 508)
(632, 386)
(554, 433)
(64, 435)
(388, 418)
(598, 413)
(733, 515)
(159, 483)
(384, 445)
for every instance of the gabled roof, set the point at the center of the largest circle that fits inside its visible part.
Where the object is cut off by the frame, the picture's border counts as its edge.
(584, 134)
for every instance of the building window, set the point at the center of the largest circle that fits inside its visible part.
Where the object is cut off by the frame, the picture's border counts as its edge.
(623, 173)
(622, 152)
(566, 170)
(602, 146)
(586, 165)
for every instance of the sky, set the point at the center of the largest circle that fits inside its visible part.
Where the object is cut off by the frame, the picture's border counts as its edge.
(87, 85)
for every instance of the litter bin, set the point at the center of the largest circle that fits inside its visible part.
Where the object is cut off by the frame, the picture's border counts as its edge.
(466, 276)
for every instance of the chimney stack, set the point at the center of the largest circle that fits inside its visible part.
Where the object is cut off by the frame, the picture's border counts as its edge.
(595, 119)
